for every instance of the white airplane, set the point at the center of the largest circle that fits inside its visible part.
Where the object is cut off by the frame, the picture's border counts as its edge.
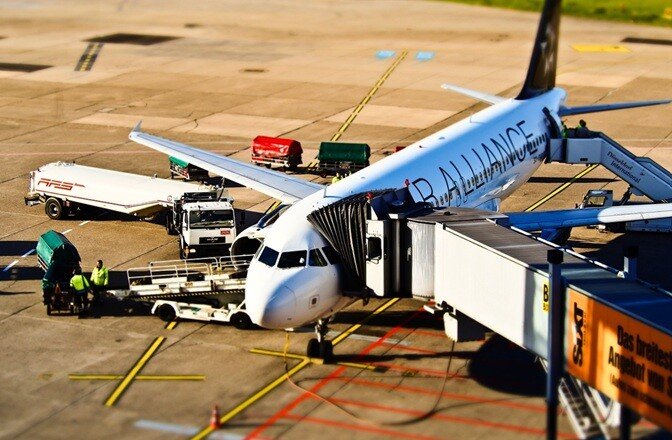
(295, 278)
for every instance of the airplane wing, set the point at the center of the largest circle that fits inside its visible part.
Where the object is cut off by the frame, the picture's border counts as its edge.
(582, 110)
(286, 188)
(568, 218)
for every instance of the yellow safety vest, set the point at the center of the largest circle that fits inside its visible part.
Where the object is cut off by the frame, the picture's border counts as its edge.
(79, 283)
(335, 179)
(100, 277)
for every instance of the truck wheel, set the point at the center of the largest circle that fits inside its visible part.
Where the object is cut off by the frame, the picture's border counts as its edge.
(268, 165)
(241, 321)
(166, 312)
(53, 208)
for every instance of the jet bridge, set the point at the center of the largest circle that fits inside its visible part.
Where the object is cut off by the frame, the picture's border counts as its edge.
(644, 175)
(485, 276)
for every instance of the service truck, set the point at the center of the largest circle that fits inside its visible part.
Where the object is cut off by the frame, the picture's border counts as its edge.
(342, 157)
(201, 215)
(186, 170)
(276, 151)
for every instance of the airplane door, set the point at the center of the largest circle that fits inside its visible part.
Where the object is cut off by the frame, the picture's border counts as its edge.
(377, 256)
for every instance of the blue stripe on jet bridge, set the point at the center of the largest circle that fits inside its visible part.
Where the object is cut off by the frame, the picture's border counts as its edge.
(424, 56)
(383, 54)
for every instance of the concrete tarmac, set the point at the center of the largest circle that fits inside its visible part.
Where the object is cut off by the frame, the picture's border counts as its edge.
(224, 73)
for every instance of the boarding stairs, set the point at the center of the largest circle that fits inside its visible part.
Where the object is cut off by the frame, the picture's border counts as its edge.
(644, 175)
(582, 413)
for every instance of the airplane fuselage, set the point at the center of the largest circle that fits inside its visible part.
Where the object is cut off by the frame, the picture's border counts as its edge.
(476, 162)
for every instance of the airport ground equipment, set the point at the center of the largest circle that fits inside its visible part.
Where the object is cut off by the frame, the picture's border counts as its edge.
(342, 157)
(233, 313)
(214, 286)
(58, 257)
(604, 198)
(202, 216)
(483, 275)
(186, 170)
(276, 151)
(205, 222)
(645, 176)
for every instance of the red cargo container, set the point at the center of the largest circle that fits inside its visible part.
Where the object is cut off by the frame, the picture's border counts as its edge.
(270, 150)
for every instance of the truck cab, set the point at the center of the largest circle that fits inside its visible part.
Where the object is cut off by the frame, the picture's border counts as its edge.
(205, 222)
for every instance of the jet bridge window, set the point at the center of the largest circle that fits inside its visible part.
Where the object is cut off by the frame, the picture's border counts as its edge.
(292, 259)
(315, 258)
(268, 256)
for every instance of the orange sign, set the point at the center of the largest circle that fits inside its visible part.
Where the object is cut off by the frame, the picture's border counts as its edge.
(621, 357)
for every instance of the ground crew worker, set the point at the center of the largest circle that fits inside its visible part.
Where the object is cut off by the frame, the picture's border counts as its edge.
(100, 278)
(582, 130)
(79, 286)
(565, 130)
(336, 178)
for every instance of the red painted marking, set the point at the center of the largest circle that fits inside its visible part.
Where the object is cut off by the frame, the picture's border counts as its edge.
(448, 418)
(426, 371)
(407, 348)
(284, 412)
(372, 429)
(430, 333)
(456, 396)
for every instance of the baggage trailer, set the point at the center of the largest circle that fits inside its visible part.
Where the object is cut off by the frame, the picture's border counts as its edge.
(203, 217)
(337, 157)
(276, 151)
(186, 170)
(205, 289)
(58, 258)
(604, 198)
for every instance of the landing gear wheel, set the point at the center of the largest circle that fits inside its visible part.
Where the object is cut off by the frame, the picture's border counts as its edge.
(166, 313)
(327, 351)
(54, 209)
(241, 321)
(313, 349)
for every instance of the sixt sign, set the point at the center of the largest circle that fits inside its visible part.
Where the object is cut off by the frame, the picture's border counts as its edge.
(58, 184)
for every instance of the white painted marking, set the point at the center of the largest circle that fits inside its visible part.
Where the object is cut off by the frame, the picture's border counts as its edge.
(66, 231)
(84, 222)
(10, 265)
(183, 430)
(28, 253)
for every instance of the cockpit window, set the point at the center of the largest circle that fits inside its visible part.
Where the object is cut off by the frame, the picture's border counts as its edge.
(292, 259)
(315, 258)
(331, 254)
(268, 256)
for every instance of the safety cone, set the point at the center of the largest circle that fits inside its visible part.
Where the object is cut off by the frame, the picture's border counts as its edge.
(214, 418)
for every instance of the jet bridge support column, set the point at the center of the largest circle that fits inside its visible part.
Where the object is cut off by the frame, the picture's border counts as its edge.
(556, 334)
(630, 262)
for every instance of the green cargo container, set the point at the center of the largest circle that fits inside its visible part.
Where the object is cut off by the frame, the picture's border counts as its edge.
(178, 167)
(344, 152)
(53, 250)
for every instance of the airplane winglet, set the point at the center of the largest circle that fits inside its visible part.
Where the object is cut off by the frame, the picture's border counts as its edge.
(137, 127)
(481, 96)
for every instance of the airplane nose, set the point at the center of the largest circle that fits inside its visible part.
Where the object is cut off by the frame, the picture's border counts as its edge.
(276, 312)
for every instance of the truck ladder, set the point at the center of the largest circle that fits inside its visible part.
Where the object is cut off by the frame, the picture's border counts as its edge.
(644, 175)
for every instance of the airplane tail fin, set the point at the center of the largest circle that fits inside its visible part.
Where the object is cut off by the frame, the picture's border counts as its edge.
(541, 73)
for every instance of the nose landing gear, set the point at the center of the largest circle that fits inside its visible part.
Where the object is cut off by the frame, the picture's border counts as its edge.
(320, 347)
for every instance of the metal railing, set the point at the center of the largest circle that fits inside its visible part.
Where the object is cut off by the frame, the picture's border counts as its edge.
(188, 270)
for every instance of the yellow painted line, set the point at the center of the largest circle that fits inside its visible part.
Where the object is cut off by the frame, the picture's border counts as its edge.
(133, 372)
(356, 327)
(561, 188)
(139, 377)
(600, 48)
(272, 207)
(357, 110)
(171, 325)
(280, 379)
(252, 399)
(316, 361)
